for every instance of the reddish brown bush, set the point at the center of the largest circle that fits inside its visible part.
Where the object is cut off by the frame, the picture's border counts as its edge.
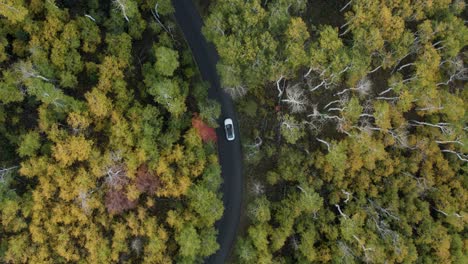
(147, 181)
(117, 202)
(206, 133)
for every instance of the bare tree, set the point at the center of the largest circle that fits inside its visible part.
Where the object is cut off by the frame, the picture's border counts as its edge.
(121, 5)
(321, 77)
(363, 87)
(116, 176)
(341, 212)
(236, 91)
(157, 18)
(386, 233)
(367, 258)
(253, 149)
(457, 71)
(385, 211)
(421, 183)
(315, 125)
(294, 243)
(296, 99)
(26, 69)
(137, 245)
(460, 156)
(257, 188)
(444, 127)
(345, 249)
(4, 172)
(82, 199)
(290, 125)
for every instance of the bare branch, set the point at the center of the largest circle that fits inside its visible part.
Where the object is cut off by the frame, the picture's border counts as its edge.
(90, 17)
(5, 172)
(386, 91)
(236, 91)
(449, 142)
(120, 5)
(324, 142)
(460, 156)
(341, 212)
(440, 211)
(363, 87)
(280, 90)
(347, 4)
(444, 128)
(348, 195)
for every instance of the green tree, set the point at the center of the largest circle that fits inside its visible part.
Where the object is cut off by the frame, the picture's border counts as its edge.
(13, 10)
(30, 143)
(207, 205)
(291, 129)
(189, 242)
(167, 61)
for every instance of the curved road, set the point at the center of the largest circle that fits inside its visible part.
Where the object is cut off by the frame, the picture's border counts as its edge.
(229, 153)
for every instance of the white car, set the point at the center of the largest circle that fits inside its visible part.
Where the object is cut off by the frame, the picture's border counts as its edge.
(229, 128)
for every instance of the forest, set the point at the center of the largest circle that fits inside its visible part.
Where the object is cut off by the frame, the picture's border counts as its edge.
(354, 127)
(353, 118)
(104, 156)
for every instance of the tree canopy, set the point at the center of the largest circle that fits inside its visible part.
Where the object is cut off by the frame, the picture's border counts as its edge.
(99, 159)
(356, 141)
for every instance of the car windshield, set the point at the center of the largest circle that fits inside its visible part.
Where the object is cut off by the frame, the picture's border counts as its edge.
(229, 130)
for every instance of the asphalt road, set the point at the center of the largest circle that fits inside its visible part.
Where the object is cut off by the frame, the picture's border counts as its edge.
(229, 152)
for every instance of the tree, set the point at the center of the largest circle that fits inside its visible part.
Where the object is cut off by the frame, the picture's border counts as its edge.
(30, 144)
(296, 36)
(9, 91)
(167, 61)
(146, 181)
(89, 34)
(259, 210)
(99, 105)
(13, 10)
(296, 99)
(306, 247)
(128, 8)
(208, 239)
(167, 92)
(119, 47)
(117, 202)
(74, 148)
(207, 134)
(210, 112)
(207, 205)
(291, 129)
(189, 243)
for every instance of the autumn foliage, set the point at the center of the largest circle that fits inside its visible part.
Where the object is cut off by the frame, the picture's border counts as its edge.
(208, 134)
(117, 202)
(146, 181)
(96, 162)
